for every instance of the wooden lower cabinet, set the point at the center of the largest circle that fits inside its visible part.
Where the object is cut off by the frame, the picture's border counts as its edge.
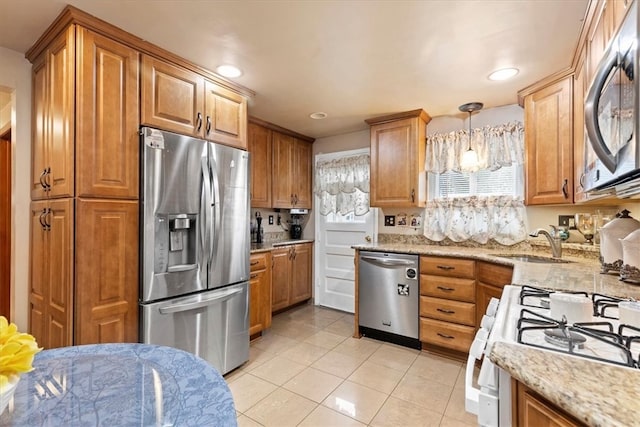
(260, 293)
(84, 272)
(106, 291)
(446, 334)
(291, 275)
(532, 410)
(491, 279)
(51, 269)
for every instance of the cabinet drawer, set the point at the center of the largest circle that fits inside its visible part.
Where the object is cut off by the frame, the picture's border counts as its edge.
(444, 334)
(449, 310)
(448, 287)
(449, 267)
(494, 274)
(258, 262)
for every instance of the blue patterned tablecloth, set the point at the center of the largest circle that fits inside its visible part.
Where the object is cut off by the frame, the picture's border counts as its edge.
(120, 385)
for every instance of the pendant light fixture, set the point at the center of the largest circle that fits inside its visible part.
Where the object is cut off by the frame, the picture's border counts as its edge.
(469, 161)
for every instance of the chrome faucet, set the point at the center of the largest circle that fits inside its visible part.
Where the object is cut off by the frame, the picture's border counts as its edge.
(554, 240)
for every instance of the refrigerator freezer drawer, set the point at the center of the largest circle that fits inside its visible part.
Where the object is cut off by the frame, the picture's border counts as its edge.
(211, 324)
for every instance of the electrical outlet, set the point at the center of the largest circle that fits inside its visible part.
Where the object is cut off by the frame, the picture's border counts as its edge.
(270, 219)
(568, 221)
(279, 219)
(389, 220)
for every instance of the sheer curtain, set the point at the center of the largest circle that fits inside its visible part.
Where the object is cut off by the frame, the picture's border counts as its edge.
(342, 185)
(477, 217)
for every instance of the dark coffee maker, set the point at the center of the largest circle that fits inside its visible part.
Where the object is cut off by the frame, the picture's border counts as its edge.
(295, 229)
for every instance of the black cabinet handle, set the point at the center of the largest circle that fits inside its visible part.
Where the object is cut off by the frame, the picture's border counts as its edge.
(442, 310)
(46, 179)
(42, 183)
(254, 262)
(199, 122)
(565, 189)
(449, 337)
(443, 288)
(446, 267)
(413, 195)
(253, 276)
(41, 219)
(208, 124)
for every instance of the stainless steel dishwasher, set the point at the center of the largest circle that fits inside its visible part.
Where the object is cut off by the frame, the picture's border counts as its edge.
(389, 297)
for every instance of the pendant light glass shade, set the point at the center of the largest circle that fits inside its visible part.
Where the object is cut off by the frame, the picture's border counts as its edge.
(469, 161)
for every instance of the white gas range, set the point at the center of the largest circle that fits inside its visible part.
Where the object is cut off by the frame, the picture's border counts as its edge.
(523, 317)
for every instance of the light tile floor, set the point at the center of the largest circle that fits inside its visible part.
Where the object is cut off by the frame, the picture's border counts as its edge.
(308, 370)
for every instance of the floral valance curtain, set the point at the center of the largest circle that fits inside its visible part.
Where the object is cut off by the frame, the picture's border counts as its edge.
(477, 217)
(342, 185)
(496, 147)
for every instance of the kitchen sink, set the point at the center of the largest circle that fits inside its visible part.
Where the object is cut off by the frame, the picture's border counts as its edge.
(534, 258)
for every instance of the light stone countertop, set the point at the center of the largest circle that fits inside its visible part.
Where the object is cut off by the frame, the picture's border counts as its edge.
(274, 244)
(606, 396)
(594, 393)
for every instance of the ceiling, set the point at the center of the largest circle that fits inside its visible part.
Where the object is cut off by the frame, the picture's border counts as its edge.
(350, 59)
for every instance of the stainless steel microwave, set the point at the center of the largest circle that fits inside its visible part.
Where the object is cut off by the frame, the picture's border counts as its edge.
(612, 156)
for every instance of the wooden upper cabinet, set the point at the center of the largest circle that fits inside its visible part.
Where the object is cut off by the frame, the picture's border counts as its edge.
(579, 134)
(549, 144)
(225, 116)
(398, 178)
(182, 101)
(259, 142)
(172, 97)
(291, 177)
(302, 161)
(106, 271)
(107, 122)
(53, 122)
(52, 273)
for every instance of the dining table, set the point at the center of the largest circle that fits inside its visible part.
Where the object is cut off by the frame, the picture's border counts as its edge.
(120, 385)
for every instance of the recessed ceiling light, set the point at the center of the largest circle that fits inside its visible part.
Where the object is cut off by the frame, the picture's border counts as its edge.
(503, 74)
(318, 116)
(229, 71)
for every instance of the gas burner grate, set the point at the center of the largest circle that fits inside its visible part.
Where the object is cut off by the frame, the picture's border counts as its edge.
(601, 331)
(541, 295)
(602, 305)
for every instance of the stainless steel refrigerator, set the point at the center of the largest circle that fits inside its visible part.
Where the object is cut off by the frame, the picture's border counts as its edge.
(195, 247)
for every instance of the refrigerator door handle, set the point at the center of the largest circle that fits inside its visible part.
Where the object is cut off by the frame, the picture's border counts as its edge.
(216, 299)
(205, 207)
(215, 207)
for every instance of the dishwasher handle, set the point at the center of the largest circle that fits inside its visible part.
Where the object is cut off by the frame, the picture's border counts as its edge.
(388, 262)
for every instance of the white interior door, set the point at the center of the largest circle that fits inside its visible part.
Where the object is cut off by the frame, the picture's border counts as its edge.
(334, 258)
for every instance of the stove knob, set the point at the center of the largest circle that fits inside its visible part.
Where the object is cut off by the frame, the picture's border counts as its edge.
(487, 322)
(492, 307)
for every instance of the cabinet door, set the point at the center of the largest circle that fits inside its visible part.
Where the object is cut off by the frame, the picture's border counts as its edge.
(549, 147)
(260, 155)
(302, 160)
(282, 173)
(52, 159)
(51, 288)
(172, 97)
(484, 293)
(301, 273)
(107, 271)
(260, 295)
(39, 160)
(225, 116)
(280, 278)
(107, 109)
(579, 140)
(533, 411)
(394, 172)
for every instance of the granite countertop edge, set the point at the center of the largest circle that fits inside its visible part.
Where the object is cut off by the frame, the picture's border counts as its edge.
(594, 393)
(274, 244)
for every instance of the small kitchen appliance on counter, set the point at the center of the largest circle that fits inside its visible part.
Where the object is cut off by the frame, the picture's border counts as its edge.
(524, 316)
(295, 228)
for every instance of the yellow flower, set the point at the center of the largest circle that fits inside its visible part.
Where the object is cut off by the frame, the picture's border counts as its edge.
(16, 351)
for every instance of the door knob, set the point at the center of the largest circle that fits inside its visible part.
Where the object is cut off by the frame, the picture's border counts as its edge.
(368, 239)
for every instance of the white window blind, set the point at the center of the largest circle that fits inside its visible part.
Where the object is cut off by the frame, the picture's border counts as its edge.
(501, 182)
